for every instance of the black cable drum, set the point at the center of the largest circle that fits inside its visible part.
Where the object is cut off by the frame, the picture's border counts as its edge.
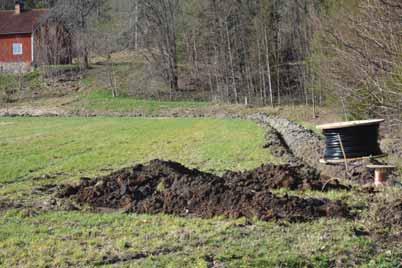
(354, 139)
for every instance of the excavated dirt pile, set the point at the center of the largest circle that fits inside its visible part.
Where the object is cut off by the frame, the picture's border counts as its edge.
(169, 187)
(293, 177)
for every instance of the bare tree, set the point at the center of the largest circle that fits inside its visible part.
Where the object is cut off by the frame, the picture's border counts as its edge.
(161, 33)
(361, 62)
(77, 16)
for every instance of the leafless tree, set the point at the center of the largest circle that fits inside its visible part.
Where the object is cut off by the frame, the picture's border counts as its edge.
(161, 34)
(77, 16)
(363, 48)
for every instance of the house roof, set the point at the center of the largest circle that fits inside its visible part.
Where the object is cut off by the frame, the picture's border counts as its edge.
(25, 22)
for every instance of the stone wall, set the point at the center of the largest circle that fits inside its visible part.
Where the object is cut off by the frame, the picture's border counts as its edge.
(15, 67)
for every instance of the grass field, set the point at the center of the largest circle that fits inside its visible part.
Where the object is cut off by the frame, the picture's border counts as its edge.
(103, 101)
(38, 151)
(75, 147)
(61, 239)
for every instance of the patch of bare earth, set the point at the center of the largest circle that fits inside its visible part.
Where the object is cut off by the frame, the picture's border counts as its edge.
(9, 204)
(389, 212)
(32, 111)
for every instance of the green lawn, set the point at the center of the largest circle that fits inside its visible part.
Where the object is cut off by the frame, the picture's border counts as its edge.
(103, 101)
(37, 151)
(69, 148)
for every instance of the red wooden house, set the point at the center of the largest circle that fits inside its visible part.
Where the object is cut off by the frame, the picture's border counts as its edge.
(27, 39)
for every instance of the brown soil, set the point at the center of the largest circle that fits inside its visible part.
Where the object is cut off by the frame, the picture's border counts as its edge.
(169, 187)
(295, 177)
(8, 204)
(390, 213)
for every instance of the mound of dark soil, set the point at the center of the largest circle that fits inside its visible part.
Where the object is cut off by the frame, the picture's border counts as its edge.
(295, 177)
(169, 187)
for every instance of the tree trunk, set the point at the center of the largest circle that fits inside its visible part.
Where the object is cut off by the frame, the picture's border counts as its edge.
(268, 67)
(231, 65)
(136, 25)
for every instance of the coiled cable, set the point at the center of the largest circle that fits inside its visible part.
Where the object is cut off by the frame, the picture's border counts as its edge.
(357, 141)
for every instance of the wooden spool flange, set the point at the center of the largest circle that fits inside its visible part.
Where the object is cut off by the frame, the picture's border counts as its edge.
(381, 173)
(348, 124)
(340, 161)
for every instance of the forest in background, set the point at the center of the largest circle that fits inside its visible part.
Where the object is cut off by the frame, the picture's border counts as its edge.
(344, 53)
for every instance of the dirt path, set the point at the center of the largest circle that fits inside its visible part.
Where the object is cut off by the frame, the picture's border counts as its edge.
(32, 112)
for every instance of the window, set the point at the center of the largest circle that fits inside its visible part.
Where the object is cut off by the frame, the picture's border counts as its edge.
(17, 49)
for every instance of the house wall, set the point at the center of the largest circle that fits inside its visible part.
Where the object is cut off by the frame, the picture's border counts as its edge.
(15, 63)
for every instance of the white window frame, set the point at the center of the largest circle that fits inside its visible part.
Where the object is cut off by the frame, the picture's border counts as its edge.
(17, 49)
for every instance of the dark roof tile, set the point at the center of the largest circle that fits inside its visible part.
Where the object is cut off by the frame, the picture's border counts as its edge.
(25, 22)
